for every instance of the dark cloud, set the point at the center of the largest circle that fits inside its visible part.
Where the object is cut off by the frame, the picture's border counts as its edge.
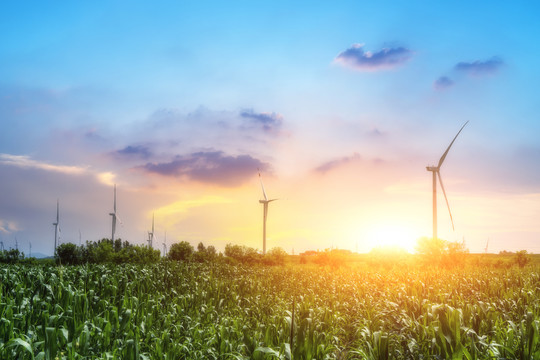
(375, 133)
(137, 151)
(477, 68)
(268, 121)
(356, 58)
(332, 164)
(444, 82)
(209, 167)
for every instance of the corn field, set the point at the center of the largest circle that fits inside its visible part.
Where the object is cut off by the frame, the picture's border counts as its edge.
(176, 310)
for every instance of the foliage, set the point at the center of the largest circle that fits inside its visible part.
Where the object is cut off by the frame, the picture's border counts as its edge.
(275, 256)
(105, 251)
(11, 256)
(181, 251)
(441, 252)
(68, 254)
(333, 258)
(521, 258)
(242, 253)
(186, 310)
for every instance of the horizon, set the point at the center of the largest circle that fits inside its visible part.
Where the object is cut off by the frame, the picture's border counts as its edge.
(341, 108)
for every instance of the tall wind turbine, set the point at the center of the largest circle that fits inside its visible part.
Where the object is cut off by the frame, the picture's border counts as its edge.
(151, 234)
(436, 174)
(114, 216)
(265, 203)
(56, 225)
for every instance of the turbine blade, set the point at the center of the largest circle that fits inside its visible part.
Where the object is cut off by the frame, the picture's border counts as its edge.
(449, 146)
(445, 198)
(262, 186)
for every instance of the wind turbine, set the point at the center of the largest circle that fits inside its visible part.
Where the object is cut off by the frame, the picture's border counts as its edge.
(436, 174)
(165, 245)
(114, 216)
(486, 249)
(56, 225)
(151, 234)
(265, 203)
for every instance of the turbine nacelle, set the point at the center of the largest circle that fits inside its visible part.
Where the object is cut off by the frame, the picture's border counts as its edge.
(267, 201)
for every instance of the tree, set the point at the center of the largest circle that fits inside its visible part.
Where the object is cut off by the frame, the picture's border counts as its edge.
(181, 251)
(441, 252)
(11, 256)
(242, 253)
(431, 248)
(276, 256)
(521, 258)
(68, 254)
(211, 251)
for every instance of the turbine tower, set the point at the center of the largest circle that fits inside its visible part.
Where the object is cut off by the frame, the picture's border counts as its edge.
(151, 234)
(436, 174)
(165, 245)
(265, 203)
(114, 216)
(56, 225)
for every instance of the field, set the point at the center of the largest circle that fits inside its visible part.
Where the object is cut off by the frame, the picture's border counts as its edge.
(176, 310)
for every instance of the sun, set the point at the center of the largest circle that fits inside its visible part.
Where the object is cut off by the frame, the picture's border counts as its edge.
(393, 236)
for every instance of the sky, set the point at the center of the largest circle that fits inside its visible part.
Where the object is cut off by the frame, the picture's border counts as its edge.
(340, 105)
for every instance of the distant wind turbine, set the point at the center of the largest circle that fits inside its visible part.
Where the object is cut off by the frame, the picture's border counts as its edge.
(151, 234)
(2, 245)
(486, 249)
(165, 245)
(56, 225)
(436, 174)
(114, 216)
(265, 203)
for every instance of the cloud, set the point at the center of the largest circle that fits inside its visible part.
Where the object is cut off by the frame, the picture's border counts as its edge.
(23, 161)
(387, 58)
(444, 82)
(333, 164)
(478, 68)
(8, 227)
(268, 121)
(137, 151)
(209, 167)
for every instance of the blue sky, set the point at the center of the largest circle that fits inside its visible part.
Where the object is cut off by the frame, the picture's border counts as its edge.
(180, 102)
